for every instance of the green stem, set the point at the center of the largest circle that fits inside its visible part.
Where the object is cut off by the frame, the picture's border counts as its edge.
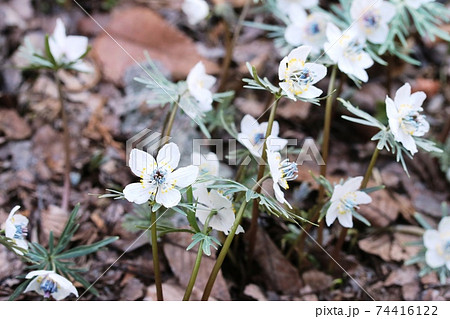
(326, 142)
(262, 166)
(372, 163)
(66, 142)
(226, 245)
(198, 260)
(169, 122)
(158, 284)
(230, 44)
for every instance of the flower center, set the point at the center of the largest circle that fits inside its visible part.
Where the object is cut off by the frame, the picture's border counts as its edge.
(48, 286)
(353, 50)
(21, 232)
(371, 21)
(288, 170)
(258, 138)
(412, 121)
(302, 77)
(159, 176)
(313, 28)
(348, 203)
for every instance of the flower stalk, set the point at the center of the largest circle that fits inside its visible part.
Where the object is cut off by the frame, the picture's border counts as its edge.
(254, 222)
(66, 142)
(226, 245)
(326, 142)
(198, 260)
(154, 236)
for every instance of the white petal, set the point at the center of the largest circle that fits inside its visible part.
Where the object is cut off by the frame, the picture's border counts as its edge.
(332, 214)
(285, 87)
(168, 197)
(168, 157)
(13, 211)
(293, 36)
(282, 67)
(65, 287)
(407, 141)
(362, 198)
(183, 177)
(76, 46)
(34, 285)
(391, 110)
(387, 11)
(353, 184)
(338, 192)
(248, 125)
(431, 239)
(444, 226)
(55, 49)
(139, 193)
(275, 144)
(311, 93)
(141, 163)
(433, 259)
(417, 99)
(273, 159)
(346, 219)
(379, 35)
(275, 128)
(195, 10)
(319, 70)
(279, 195)
(402, 96)
(59, 33)
(81, 66)
(333, 33)
(300, 53)
(34, 273)
(245, 140)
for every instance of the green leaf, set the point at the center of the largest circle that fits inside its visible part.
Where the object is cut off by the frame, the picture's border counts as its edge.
(19, 290)
(360, 217)
(49, 53)
(86, 249)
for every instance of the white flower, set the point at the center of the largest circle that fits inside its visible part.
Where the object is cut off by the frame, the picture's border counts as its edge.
(68, 49)
(307, 29)
(199, 85)
(215, 202)
(195, 10)
(48, 283)
(345, 199)
(16, 229)
(372, 19)
(416, 4)
(281, 172)
(405, 121)
(288, 6)
(253, 134)
(159, 178)
(348, 52)
(437, 243)
(298, 76)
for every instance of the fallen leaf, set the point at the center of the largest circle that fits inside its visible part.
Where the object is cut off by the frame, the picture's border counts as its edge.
(383, 209)
(377, 245)
(139, 29)
(317, 280)
(133, 290)
(53, 219)
(281, 275)
(13, 126)
(255, 292)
